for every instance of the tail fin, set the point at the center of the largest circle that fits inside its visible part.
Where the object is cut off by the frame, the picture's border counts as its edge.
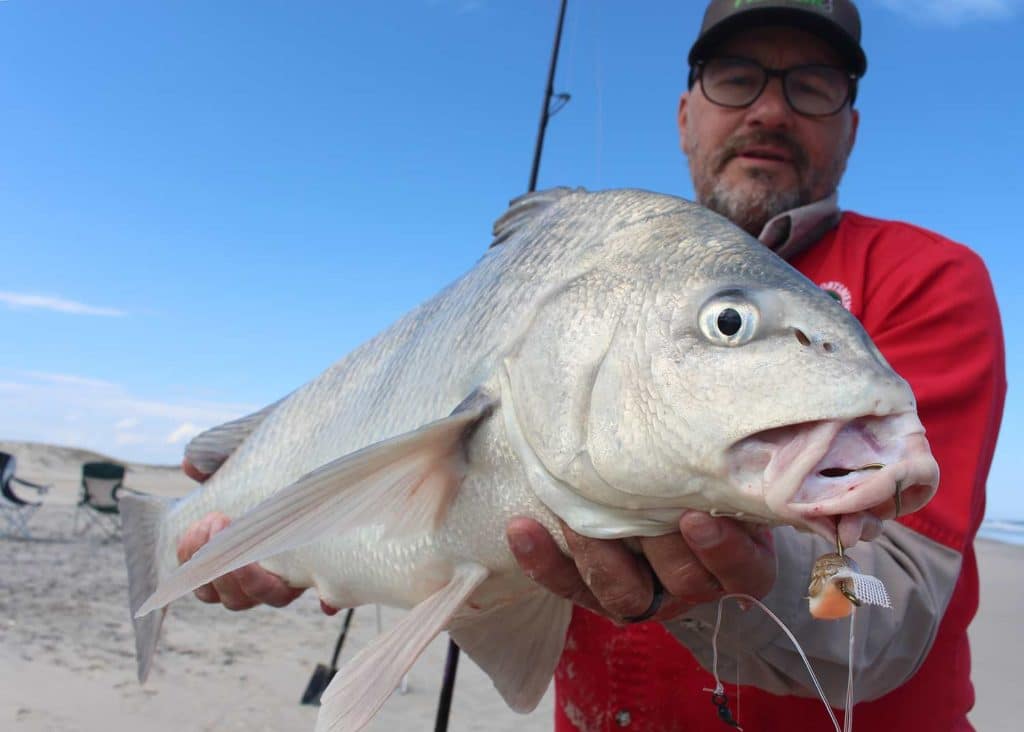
(141, 517)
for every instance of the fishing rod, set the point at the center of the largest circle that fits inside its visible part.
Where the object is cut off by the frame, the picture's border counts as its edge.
(451, 664)
(546, 112)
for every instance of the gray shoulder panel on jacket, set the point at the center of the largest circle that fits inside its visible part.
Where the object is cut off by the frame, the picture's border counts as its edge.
(891, 644)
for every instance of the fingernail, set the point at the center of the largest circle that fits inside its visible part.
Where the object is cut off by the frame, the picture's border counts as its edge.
(700, 529)
(521, 542)
(217, 525)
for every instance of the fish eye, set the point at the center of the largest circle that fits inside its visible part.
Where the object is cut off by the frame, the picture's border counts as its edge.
(729, 322)
(729, 319)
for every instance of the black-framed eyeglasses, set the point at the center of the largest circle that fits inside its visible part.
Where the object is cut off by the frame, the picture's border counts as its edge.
(814, 90)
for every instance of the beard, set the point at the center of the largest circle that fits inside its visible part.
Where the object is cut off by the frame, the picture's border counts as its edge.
(752, 209)
(758, 199)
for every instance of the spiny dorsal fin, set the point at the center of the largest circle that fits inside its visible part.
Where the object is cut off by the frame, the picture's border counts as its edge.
(525, 208)
(208, 450)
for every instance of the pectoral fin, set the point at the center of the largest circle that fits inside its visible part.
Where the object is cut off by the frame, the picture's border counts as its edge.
(406, 483)
(518, 646)
(362, 686)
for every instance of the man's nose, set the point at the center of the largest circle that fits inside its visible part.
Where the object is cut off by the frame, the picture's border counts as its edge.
(771, 108)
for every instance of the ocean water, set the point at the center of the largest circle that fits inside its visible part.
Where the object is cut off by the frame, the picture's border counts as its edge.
(1008, 531)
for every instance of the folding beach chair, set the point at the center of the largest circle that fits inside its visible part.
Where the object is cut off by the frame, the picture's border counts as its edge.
(19, 499)
(101, 484)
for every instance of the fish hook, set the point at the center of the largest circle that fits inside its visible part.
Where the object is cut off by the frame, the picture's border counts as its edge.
(844, 585)
(899, 484)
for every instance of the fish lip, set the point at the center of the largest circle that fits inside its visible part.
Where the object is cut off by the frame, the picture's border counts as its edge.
(816, 472)
(916, 478)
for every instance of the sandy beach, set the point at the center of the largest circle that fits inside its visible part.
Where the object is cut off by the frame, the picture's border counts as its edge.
(66, 653)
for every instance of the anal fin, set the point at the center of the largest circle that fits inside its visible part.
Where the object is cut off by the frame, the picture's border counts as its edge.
(362, 686)
(518, 646)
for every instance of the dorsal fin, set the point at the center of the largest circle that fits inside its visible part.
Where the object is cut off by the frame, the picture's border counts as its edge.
(525, 208)
(208, 450)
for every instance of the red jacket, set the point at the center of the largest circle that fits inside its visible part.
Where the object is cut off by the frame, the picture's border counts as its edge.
(928, 304)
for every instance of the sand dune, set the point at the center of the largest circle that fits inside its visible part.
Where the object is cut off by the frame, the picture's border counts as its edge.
(61, 468)
(66, 658)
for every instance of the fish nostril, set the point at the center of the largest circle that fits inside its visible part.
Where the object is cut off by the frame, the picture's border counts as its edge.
(828, 347)
(802, 337)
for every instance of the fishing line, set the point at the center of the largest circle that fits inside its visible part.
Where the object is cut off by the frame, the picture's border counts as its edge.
(598, 95)
(719, 690)
(848, 712)
(572, 51)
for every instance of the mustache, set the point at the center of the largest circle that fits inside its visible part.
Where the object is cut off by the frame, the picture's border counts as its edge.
(735, 145)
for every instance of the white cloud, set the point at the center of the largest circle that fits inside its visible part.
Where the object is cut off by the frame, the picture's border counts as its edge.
(209, 413)
(184, 432)
(127, 423)
(83, 411)
(21, 300)
(953, 12)
(71, 379)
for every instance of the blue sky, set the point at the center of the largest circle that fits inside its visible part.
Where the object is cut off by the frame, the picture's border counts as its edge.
(204, 204)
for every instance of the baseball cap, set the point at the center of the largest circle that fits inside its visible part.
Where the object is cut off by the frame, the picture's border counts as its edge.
(837, 21)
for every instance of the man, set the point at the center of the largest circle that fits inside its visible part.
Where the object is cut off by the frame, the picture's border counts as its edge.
(767, 125)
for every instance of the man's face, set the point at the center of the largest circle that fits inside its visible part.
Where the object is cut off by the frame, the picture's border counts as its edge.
(754, 163)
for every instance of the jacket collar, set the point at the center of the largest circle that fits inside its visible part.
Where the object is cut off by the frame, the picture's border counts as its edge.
(795, 231)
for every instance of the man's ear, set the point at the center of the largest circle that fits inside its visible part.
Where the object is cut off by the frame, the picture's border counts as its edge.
(681, 120)
(854, 122)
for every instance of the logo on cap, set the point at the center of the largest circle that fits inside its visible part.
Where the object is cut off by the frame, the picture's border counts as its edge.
(825, 5)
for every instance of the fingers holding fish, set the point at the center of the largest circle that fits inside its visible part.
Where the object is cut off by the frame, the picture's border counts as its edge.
(739, 556)
(681, 573)
(606, 577)
(872, 528)
(194, 538)
(541, 559)
(261, 587)
(241, 589)
(621, 580)
(193, 472)
(860, 526)
(618, 585)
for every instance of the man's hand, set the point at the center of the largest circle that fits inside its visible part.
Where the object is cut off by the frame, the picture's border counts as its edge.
(241, 589)
(193, 472)
(247, 586)
(707, 558)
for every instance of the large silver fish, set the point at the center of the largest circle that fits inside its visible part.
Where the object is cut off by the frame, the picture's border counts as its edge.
(622, 356)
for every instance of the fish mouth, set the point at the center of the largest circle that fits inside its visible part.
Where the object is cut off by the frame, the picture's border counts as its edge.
(831, 473)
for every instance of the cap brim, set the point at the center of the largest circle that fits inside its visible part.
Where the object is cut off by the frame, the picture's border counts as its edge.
(849, 49)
